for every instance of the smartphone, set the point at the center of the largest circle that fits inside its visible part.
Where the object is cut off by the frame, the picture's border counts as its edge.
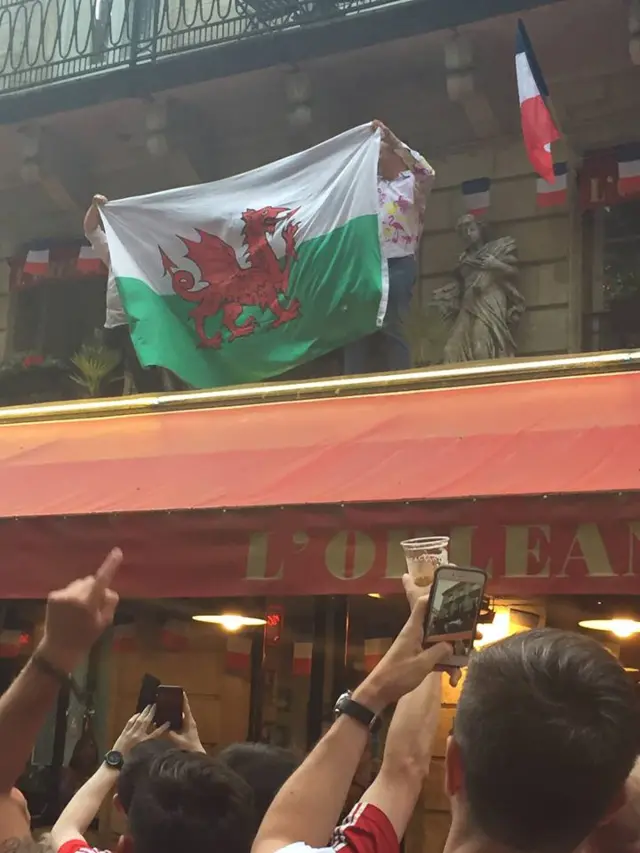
(148, 689)
(453, 609)
(169, 706)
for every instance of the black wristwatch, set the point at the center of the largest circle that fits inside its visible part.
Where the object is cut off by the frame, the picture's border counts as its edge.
(350, 708)
(114, 759)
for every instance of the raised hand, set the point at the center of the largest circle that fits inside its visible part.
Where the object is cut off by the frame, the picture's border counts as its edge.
(188, 738)
(78, 614)
(138, 729)
(404, 666)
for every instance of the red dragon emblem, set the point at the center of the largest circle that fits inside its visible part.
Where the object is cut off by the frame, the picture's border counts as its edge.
(229, 287)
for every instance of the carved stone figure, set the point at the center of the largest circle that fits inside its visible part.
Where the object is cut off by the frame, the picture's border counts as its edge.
(483, 301)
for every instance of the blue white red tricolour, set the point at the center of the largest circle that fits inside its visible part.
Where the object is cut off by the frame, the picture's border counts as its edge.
(538, 128)
(555, 194)
(628, 169)
(477, 195)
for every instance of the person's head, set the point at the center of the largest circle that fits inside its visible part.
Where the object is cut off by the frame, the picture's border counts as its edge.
(390, 165)
(136, 766)
(545, 735)
(190, 801)
(264, 768)
(469, 229)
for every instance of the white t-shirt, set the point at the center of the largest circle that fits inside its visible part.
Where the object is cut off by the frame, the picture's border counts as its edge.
(116, 315)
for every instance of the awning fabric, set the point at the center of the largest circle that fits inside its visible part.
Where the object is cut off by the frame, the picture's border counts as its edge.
(566, 435)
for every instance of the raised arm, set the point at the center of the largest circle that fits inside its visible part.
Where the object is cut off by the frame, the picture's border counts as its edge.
(407, 754)
(308, 806)
(93, 229)
(75, 618)
(85, 804)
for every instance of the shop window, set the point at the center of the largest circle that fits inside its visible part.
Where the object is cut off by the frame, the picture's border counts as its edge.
(56, 317)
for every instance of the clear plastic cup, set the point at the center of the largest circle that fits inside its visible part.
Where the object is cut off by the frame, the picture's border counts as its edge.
(424, 556)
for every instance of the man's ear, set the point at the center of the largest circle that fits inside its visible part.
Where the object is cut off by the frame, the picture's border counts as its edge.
(118, 805)
(453, 775)
(616, 805)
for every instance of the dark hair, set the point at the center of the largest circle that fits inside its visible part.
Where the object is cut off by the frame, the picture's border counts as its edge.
(136, 766)
(190, 801)
(547, 727)
(264, 768)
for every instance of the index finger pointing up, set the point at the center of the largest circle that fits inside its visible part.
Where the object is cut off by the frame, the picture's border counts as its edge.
(107, 571)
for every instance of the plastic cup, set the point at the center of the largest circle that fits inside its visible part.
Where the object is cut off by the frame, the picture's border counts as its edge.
(424, 556)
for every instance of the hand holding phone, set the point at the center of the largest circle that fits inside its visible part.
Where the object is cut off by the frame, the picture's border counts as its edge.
(169, 706)
(453, 609)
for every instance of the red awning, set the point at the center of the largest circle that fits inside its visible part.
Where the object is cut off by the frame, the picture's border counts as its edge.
(565, 435)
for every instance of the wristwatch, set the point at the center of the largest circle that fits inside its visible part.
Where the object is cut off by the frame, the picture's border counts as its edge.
(350, 708)
(114, 759)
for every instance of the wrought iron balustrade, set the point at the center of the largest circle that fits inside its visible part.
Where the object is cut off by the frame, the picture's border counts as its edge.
(46, 41)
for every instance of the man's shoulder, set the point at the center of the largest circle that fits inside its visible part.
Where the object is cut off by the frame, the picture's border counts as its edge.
(366, 829)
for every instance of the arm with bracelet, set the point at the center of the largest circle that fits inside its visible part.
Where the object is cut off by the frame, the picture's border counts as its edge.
(75, 618)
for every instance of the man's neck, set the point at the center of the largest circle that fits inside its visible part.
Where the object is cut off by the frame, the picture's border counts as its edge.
(463, 839)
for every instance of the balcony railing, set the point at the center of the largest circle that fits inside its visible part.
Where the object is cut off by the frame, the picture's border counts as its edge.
(46, 41)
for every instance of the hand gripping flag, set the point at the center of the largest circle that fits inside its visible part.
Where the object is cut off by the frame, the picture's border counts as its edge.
(538, 127)
(238, 280)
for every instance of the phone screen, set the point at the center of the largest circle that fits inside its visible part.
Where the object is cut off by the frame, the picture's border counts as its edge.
(454, 605)
(169, 706)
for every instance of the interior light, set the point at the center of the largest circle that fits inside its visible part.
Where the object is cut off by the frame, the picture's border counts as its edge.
(491, 632)
(374, 595)
(230, 621)
(622, 628)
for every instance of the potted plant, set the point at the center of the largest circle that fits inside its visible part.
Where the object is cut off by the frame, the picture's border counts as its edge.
(95, 366)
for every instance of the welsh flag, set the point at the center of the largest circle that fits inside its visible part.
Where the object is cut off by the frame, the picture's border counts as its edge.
(241, 279)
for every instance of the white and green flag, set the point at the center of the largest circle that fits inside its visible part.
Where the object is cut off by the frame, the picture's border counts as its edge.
(241, 279)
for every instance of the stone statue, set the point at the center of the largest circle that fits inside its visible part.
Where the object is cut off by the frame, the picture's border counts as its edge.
(483, 301)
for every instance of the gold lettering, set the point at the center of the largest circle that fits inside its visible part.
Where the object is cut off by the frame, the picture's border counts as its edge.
(588, 548)
(258, 559)
(520, 545)
(461, 545)
(269, 554)
(349, 560)
(634, 540)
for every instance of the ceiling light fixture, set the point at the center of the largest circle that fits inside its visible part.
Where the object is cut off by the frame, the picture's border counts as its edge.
(622, 628)
(230, 621)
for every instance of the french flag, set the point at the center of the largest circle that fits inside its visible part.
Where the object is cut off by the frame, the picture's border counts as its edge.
(555, 194)
(88, 263)
(302, 655)
(628, 169)
(477, 195)
(36, 262)
(538, 127)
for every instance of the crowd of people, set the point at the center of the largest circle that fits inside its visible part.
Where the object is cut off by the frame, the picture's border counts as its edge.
(541, 758)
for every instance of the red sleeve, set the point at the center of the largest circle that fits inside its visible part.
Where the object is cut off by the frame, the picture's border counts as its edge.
(366, 829)
(77, 845)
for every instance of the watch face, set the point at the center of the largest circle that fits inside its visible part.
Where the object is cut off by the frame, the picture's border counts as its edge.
(114, 759)
(339, 706)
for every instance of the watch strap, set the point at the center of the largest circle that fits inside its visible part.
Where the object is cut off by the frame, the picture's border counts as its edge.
(350, 708)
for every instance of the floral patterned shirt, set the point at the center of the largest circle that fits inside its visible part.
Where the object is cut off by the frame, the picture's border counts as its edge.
(402, 204)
